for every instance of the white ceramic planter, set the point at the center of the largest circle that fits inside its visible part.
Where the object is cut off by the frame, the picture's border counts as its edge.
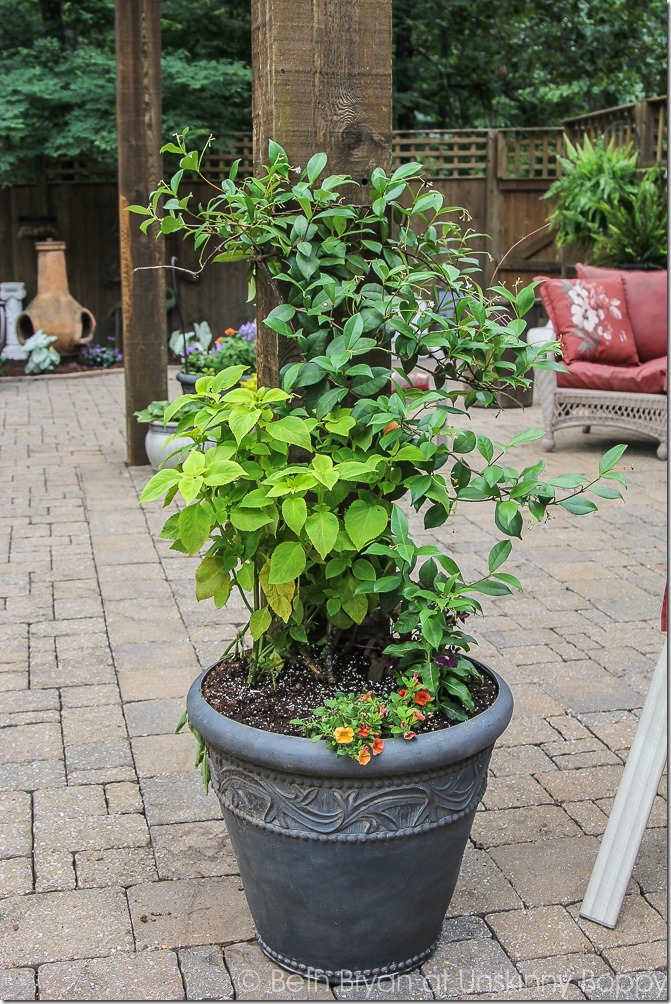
(158, 448)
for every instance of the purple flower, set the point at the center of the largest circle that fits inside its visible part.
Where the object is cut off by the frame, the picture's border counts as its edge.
(248, 331)
(446, 660)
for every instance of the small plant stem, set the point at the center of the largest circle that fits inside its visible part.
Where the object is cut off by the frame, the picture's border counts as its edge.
(242, 594)
(329, 647)
(256, 648)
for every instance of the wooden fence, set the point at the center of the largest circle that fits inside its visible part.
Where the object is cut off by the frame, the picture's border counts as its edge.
(498, 175)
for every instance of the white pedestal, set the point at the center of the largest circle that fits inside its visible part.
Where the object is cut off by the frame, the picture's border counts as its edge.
(12, 295)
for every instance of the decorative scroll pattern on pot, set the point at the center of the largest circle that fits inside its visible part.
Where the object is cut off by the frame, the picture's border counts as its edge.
(384, 807)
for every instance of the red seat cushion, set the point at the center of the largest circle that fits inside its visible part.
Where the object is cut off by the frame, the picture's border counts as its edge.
(648, 378)
(591, 320)
(647, 297)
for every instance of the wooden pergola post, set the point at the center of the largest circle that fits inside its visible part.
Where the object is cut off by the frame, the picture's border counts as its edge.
(321, 76)
(138, 73)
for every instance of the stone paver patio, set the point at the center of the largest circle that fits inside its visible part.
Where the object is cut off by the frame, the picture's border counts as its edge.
(117, 877)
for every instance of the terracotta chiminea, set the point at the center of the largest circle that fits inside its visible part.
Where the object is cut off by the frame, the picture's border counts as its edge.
(54, 310)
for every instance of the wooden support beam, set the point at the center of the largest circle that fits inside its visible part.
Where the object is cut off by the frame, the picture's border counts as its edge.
(138, 54)
(321, 82)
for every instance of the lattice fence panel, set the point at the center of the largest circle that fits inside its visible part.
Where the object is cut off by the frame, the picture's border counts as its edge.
(443, 153)
(531, 153)
(217, 163)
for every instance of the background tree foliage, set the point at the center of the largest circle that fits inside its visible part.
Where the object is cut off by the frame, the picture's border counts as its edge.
(57, 77)
(457, 64)
(523, 62)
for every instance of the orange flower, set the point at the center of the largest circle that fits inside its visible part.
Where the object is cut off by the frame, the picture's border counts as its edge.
(364, 756)
(343, 735)
(422, 697)
(409, 735)
(402, 693)
(229, 331)
(368, 696)
(378, 745)
(364, 730)
(420, 716)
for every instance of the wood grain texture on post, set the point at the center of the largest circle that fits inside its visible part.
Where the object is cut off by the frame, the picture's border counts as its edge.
(138, 52)
(321, 75)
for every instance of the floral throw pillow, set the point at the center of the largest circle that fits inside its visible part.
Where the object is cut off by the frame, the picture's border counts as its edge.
(590, 319)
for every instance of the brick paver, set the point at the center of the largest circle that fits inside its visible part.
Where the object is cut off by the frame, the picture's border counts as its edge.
(117, 877)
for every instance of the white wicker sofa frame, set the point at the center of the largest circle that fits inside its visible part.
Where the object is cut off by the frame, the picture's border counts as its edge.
(565, 406)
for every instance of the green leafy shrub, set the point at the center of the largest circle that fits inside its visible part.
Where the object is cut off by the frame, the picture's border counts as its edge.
(301, 503)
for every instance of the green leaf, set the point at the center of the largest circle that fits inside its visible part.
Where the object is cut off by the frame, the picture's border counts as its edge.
(431, 627)
(286, 563)
(430, 676)
(170, 225)
(610, 458)
(499, 554)
(222, 472)
(606, 493)
(324, 471)
(226, 378)
(159, 485)
(399, 524)
(282, 314)
(315, 166)
(279, 597)
(335, 567)
(276, 153)
(512, 580)
(364, 522)
(194, 464)
(356, 607)
(465, 442)
(567, 481)
(322, 529)
(294, 512)
(485, 447)
(363, 570)
(328, 401)
(210, 576)
(526, 437)
(189, 488)
(387, 583)
(257, 499)
(259, 622)
(291, 430)
(491, 588)
(509, 519)
(578, 505)
(242, 420)
(249, 520)
(194, 527)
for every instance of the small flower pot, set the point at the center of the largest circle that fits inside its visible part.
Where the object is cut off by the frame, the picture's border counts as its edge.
(349, 870)
(159, 450)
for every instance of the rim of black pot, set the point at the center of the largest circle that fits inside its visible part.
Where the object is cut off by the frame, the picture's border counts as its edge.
(303, 756)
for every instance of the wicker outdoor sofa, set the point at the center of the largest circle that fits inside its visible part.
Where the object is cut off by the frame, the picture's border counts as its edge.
(618, 380)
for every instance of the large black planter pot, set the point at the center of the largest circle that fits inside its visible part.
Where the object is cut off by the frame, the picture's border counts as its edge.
(349, 870)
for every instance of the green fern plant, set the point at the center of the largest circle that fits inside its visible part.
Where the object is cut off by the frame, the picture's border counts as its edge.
(637, 226)
(595, 176)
